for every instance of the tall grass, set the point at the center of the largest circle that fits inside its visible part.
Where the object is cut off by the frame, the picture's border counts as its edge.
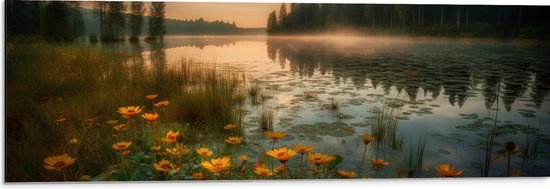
(56, 92)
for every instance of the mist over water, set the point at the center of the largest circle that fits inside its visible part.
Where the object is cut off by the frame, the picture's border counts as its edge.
(446, 92)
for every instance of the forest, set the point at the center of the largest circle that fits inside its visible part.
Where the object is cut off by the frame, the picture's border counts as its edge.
(425, 20)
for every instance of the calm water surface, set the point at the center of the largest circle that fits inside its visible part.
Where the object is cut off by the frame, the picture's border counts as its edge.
(444, 92)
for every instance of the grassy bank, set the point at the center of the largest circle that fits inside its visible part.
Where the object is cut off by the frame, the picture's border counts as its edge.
(57, 92)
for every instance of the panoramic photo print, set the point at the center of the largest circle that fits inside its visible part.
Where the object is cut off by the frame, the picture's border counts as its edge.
(156, 91)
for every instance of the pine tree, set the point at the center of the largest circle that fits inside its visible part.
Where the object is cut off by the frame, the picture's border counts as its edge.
(156, 21)
(136, 20)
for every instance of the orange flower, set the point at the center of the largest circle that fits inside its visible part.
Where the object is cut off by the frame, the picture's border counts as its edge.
(129, 111)
(347, 174)
(120, 127)
(263, 171)
(320, 158)
(171, 136)
(279, 169)
(275, 135)
(73, 141)
(164, 166)
(151, 96)
(162, 103)
(123, 147)
(379, 163)
(204, 152)
(234, 140)
(150, 117)
(230, 126)
(304, 149)
(155, 149)
(260, 164)
(217, 165)
(244, 158)
(367, 138)
(198, 176)
(446, 171)
(173, 151)
(112, 122)
(58, 162)
(282, 154)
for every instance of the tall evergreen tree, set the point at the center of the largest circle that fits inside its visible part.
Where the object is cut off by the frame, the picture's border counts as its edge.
(136, 20)
(156, 21)
(272, 25)
(116, 21)
(282, 17)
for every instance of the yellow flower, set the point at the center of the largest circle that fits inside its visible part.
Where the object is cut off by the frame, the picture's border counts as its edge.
(347, 174)
(204, 152)
(120, 127)
(85, 178)
(282, 154)
(217, 165)
(304, 149)
(58, 162)
(263, 171)
(73, 141)
(112, 122)
(164, 166)
(244, 158)
(234, 140)
(122, 147)
(151, 96)
(367, 138)
(150, 117)
(173, 151)
(155, 149)
(320, 158)
(171, 136)
(162, 103)
(198, 176)
(129, 111)
(230, 126)
(446, 171)
(275, 135)
(378, 163)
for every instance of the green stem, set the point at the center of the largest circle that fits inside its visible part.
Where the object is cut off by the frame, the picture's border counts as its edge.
(363, 159)
(64, 176)
(508, 165)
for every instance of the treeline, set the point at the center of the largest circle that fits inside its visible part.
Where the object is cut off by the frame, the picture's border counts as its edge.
(446, 20)
(112, 19)
(63, 20)
(53, 20)
(200, 26)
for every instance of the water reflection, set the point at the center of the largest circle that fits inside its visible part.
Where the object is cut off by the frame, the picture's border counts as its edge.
(450, 71)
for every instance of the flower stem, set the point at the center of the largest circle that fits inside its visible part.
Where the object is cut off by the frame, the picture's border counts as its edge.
(508, 165)
(64, 176)
(363, 159)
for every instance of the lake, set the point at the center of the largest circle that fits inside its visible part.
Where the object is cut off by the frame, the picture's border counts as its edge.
(447, 95)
